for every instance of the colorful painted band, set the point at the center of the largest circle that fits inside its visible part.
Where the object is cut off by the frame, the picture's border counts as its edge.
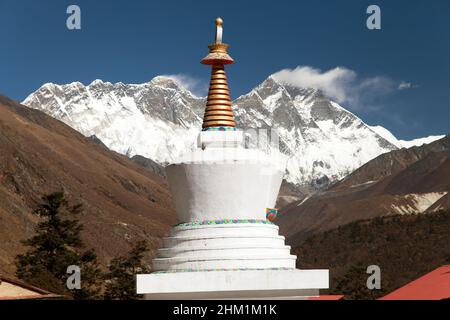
(220, 129)
(223, 269)
(222, 221)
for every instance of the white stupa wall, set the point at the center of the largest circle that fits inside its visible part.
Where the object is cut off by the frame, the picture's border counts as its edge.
(223, 180)
(209, 191)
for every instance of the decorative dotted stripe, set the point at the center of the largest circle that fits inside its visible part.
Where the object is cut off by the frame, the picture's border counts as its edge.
(220, 129)
(223, 269)
(222, 221)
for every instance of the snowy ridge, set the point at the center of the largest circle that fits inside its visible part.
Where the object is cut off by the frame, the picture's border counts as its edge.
(160, 119)
(155, 119)
(386, 134)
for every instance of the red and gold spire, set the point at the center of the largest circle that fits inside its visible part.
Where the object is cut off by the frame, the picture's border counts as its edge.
(218, 111)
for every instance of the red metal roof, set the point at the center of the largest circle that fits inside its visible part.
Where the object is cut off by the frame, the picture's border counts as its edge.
(432, 286)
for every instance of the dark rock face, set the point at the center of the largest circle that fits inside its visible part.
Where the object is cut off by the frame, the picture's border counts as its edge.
(98, 141)
(150, 165)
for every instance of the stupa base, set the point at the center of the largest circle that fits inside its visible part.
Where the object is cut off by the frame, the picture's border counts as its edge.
(245, 284)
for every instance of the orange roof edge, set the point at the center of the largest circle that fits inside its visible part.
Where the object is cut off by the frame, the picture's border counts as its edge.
(434, 285)
(327, 297)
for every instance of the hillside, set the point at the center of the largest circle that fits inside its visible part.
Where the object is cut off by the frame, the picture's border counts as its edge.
(38, 155)
(404, 247)
(404, 181)
(391, 163)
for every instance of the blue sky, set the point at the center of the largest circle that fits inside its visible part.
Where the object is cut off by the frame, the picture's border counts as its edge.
(398, 77)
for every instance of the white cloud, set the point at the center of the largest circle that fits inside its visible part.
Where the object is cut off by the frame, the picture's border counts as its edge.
(340, 84)
(406, 85)
(194, 85)
(333, 82)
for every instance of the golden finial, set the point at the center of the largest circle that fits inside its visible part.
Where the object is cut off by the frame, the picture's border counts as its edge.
(218, 51)
(218, 111)
(219, 30)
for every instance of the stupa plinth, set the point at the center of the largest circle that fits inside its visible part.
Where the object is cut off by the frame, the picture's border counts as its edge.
(224, 247)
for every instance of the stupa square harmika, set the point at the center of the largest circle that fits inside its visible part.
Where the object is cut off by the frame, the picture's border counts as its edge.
(225, 245)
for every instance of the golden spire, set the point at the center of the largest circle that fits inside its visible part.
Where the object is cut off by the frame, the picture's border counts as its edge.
(218, 111)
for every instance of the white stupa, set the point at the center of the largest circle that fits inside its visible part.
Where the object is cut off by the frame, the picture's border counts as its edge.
(225, 246)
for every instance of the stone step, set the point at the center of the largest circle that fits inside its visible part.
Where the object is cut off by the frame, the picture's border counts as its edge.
(215, 251)
(224, 262)
(236, 284)
(219, 240)
(225, 230)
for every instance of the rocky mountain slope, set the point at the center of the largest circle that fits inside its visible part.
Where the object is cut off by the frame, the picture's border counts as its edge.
(405, 181)
(160, 119)
(123, 202)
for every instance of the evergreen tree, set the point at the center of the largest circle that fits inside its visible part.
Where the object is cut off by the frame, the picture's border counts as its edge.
(55, 246)
(121, 278)
(354, 285)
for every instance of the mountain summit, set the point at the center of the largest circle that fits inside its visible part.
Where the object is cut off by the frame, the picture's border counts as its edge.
(160, 119)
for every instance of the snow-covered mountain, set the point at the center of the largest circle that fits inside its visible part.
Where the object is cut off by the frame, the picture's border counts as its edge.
(160, 119)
